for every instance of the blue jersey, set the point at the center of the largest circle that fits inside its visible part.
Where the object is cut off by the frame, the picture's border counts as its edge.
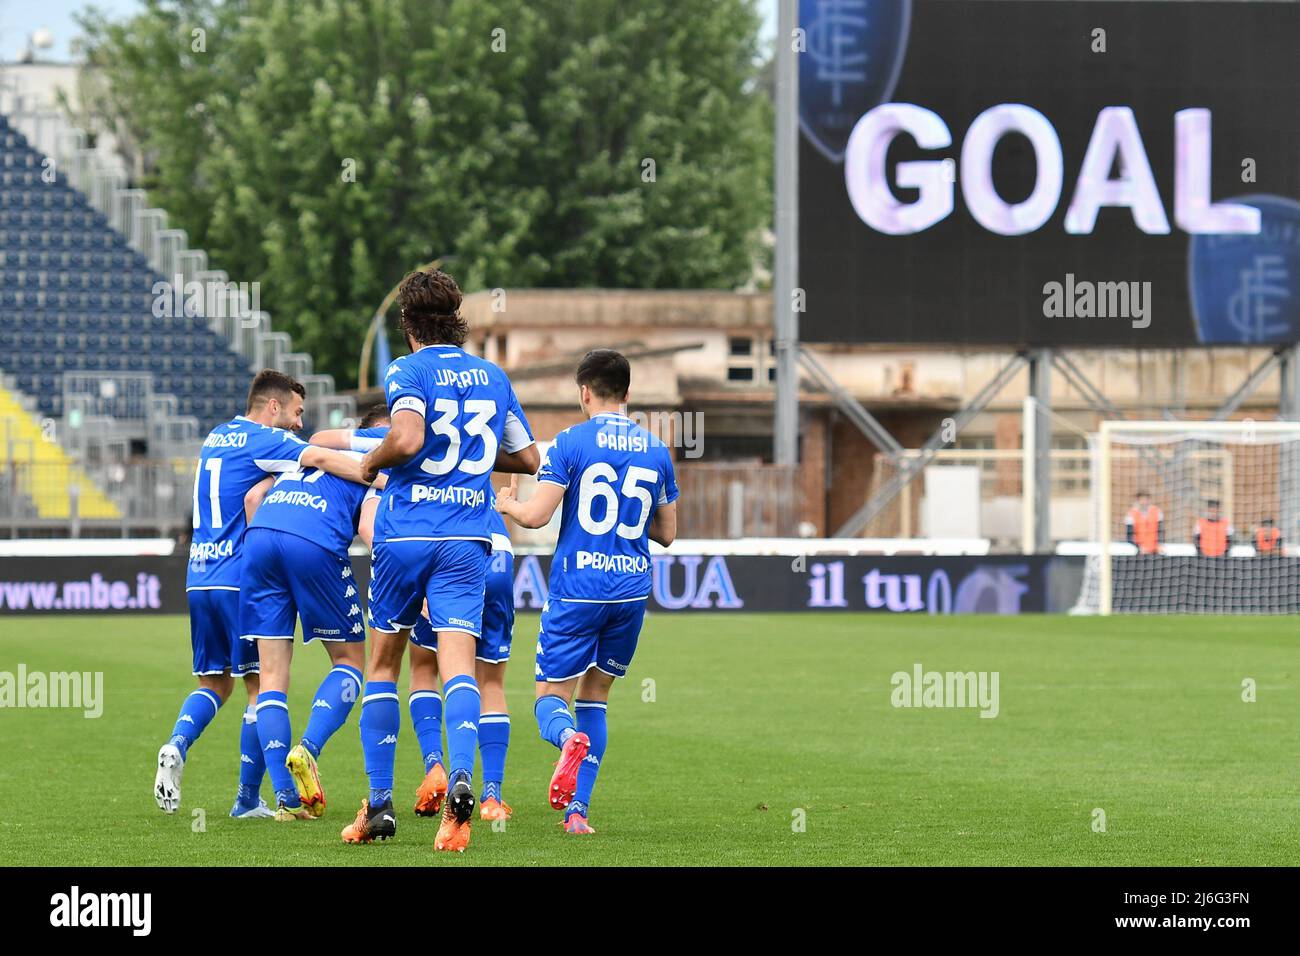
(365, 439)
(315, 505)
(235, 457)
(470, 412)
(615, 474)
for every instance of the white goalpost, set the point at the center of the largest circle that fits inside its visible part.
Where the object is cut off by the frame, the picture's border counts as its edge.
(1215, 530)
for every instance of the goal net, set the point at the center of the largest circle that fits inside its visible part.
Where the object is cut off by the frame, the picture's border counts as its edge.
(1194, 518)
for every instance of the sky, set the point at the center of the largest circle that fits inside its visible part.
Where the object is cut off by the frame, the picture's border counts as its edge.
(19, 18)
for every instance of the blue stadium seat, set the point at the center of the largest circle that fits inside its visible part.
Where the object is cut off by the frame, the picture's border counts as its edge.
(74, 296)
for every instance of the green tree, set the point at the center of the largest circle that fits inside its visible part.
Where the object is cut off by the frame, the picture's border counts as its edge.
(325, 147)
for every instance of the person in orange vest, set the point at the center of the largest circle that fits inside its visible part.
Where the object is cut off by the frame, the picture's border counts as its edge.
(1145, 525)
(1213, 533)
(1268, 540)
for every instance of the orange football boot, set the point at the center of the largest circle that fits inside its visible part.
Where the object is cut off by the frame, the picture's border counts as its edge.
(564, 782)
(428, 798)
(576, 823)
(452, 834)
(494, 809)
(371, 825)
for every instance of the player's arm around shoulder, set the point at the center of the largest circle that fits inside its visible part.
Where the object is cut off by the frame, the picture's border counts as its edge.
(345, 465)
(340, 439)
(404, 440)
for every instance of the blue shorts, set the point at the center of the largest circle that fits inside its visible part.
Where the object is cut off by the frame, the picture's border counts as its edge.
(214, 634)
(578, 635)
(493, 645)
(284, 577)
(448, 574)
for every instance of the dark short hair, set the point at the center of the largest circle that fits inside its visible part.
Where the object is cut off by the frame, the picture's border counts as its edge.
(606, 372)
(1212, 503)
(271, 383)
(430, 308)
(1142, 494)
(1266, 520)
(375, 415)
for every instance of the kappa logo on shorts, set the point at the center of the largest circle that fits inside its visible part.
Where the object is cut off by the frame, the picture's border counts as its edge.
(616, 665)
(353, 611)
(350, 592)
(347, 572)
(460, 622)
(356, 628)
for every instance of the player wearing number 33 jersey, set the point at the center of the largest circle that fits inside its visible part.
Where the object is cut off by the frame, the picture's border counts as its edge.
(454, 418)
(433, 532)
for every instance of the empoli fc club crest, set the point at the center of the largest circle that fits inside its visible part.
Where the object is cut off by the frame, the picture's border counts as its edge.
(853, 53)
(1245, 289)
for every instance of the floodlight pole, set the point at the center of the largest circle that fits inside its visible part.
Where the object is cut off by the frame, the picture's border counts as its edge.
(785, 320)
(1040, 389)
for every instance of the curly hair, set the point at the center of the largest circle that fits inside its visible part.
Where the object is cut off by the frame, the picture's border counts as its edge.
(430, 308)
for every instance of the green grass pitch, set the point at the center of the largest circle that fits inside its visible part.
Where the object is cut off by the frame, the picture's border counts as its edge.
(757, 722)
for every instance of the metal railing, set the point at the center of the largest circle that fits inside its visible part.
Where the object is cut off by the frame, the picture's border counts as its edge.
(152, 498)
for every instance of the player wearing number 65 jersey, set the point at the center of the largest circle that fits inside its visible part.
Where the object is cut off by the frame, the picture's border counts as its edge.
(616, 482)
(454, 419)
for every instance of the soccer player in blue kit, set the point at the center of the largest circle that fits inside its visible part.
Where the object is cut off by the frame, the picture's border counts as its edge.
(235, 457)
(454, 419)
(492, 652)
(296, 565)
(617, 486)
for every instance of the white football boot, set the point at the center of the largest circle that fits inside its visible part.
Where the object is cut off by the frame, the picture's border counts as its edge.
(167, 782)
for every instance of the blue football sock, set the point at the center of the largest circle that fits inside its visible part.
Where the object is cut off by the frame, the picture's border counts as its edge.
(426, 715)
(381, 719)
(462, 703)
(275, 737)
(331, 705)
(591, 721)
(197, 712)
(493, 741)
(553, 719)
(252, 765)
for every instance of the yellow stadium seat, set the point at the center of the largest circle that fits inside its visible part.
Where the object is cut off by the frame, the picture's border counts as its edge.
(43, 470)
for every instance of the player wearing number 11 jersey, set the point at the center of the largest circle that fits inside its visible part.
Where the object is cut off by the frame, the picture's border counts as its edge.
(454, 419)
(616, 482)
(235, 457)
